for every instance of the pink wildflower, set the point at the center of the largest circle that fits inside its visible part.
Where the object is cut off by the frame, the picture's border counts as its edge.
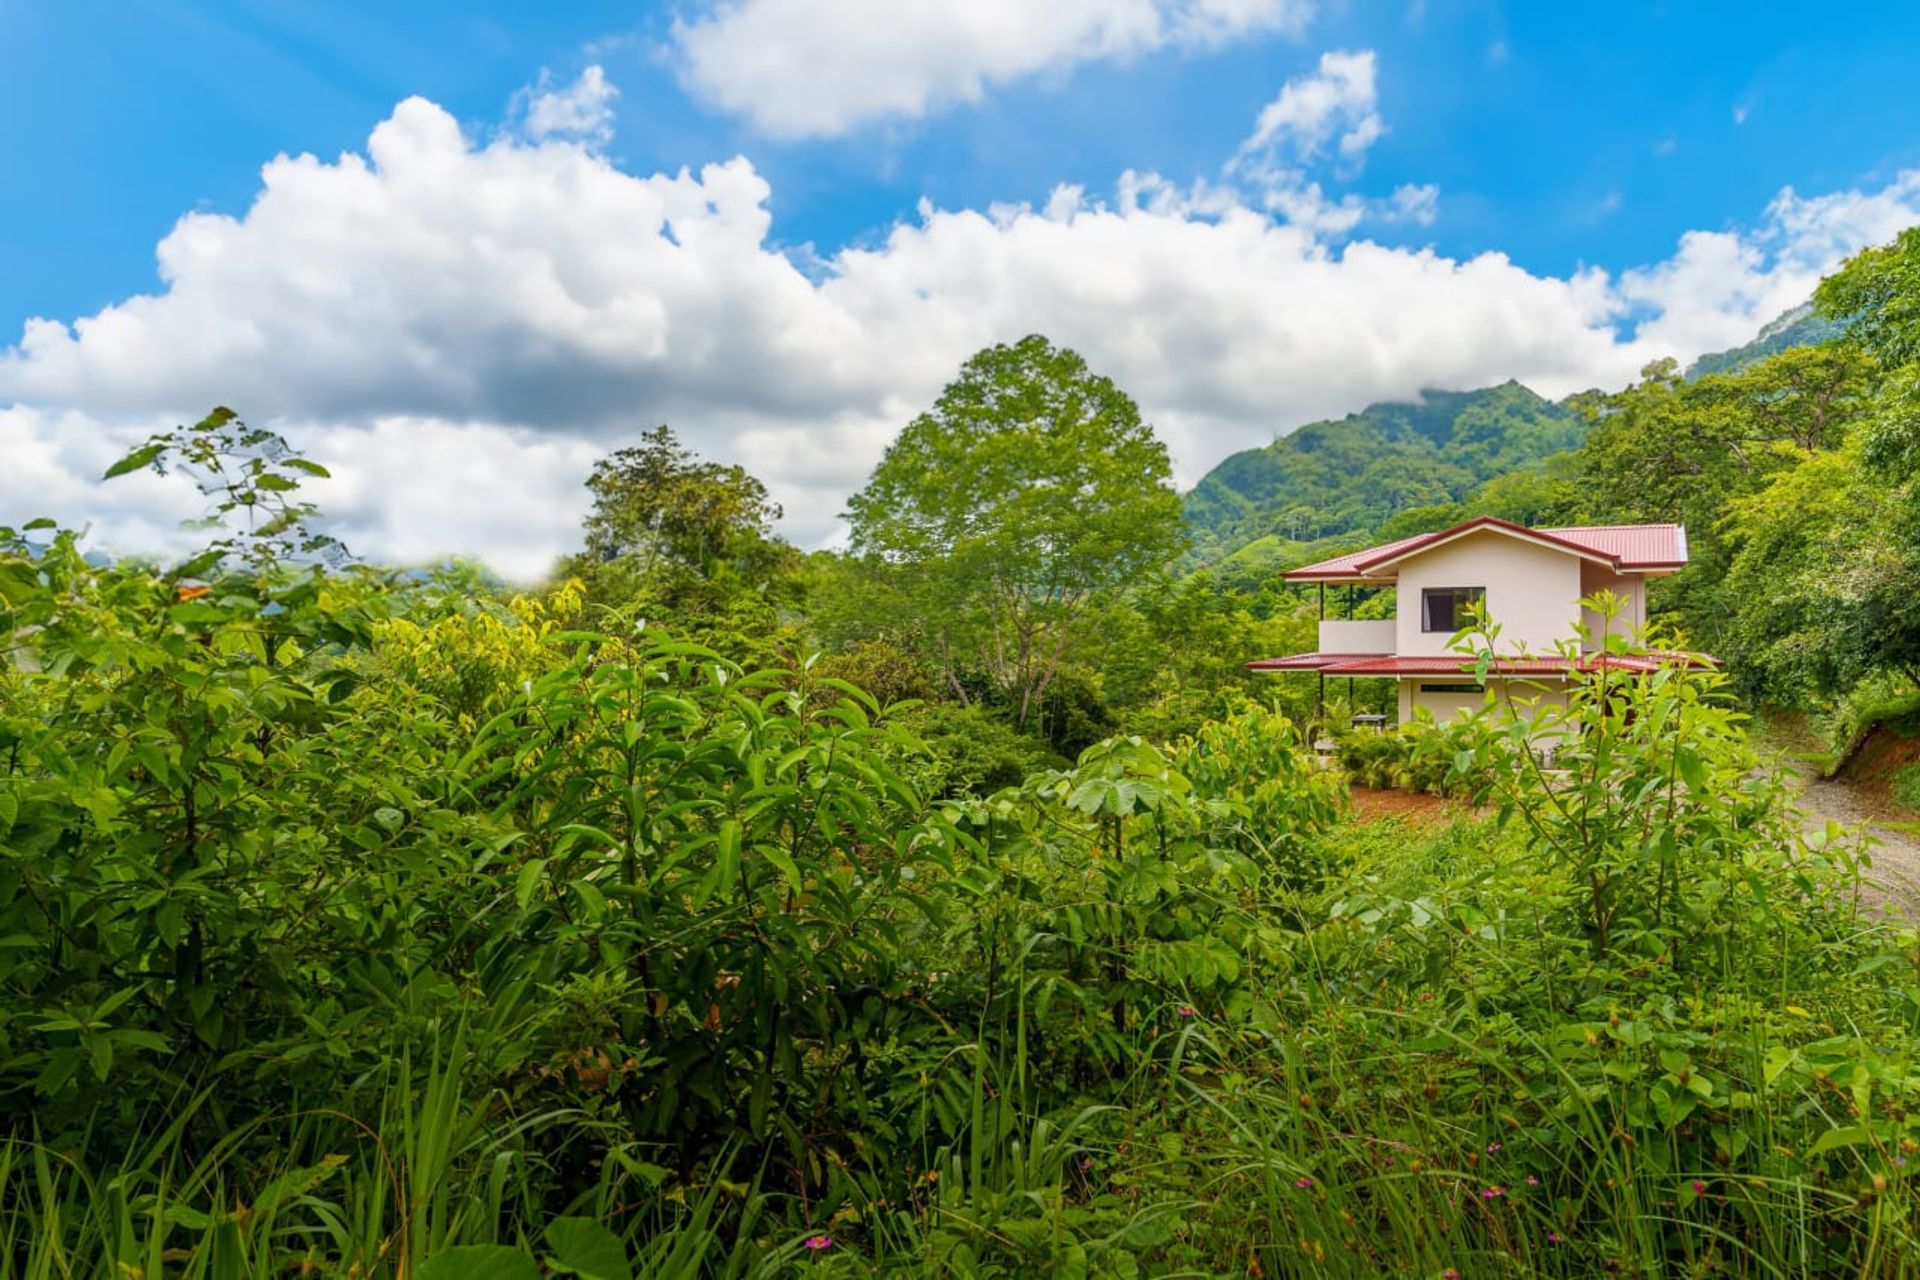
(1185, 1011)
(1493, 1193)
(1492, 1147)
(1303, 1183)
(1699, 1187)
(1554, 1237)
(1532, 1181)
(817, 1243)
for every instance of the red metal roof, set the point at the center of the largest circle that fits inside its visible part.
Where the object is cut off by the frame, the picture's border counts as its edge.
(1633, 546)
(1626, 547)
(1309, 661)
(1349, 564)
(1350, 664)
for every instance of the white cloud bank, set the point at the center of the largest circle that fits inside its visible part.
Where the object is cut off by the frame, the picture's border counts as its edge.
(458, 328)
(798, 68)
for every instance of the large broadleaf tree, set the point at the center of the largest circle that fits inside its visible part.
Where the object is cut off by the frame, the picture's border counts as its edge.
(1029, 495)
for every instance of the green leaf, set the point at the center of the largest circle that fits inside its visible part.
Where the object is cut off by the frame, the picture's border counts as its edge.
(141, 1039)
(592, 900)
(727, 862)
(100, 1053)
(311, 468)
(295, 1183)
(1851, 1135)
(1776, 1062)
(141, 457)
(587, 1249)
(478, 1262)
(1693, 769)
(528, 882)
(778, 857)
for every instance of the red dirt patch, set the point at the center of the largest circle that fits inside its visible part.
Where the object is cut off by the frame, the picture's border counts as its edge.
(1870, 769)
(1372, 805)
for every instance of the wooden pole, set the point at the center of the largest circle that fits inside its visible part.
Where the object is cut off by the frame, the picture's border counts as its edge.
(1316, 644)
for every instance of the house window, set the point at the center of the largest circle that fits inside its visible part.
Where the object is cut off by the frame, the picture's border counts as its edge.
(1445, 608)
(1451, 688)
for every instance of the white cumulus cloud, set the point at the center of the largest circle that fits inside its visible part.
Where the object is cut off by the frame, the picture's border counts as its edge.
(582, 110)
(1337, 101)
(799, 68)
(458, 327)
(1720, 286)
(1331, 113)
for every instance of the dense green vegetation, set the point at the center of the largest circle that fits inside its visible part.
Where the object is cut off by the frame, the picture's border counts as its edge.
(1804, 326)
(1348, 476)
(956, 905)
(1790, 461)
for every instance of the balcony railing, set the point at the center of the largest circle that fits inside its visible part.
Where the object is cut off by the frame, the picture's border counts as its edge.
(1347, 636)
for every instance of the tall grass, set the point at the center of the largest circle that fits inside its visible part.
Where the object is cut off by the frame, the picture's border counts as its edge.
(1346, 1137)
(433, 1174)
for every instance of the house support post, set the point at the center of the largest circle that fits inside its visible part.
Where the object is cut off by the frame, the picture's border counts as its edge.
(1322, 712)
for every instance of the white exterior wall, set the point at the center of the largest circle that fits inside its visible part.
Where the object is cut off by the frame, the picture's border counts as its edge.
(1632, 590)
(1533, 592)
(1448, 706)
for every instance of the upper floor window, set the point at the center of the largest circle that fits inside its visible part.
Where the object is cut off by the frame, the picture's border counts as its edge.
(1445, 608)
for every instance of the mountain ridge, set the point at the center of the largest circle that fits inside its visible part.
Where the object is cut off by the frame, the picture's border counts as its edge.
(1343, 474)
(1340, 477)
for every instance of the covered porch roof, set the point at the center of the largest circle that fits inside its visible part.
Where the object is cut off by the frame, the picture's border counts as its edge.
(1386, 664)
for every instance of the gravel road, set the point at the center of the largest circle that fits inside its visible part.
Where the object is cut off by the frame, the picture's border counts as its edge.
(1894, 878)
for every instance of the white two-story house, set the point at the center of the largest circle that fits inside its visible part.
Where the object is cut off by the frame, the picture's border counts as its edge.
(1530, 583)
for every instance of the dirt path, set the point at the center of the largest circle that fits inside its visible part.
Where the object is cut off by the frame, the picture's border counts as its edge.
(1894, 877)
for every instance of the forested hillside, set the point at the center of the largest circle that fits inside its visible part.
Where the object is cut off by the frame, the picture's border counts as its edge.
(1401, 467)
(1350, 474)
(1804, 326)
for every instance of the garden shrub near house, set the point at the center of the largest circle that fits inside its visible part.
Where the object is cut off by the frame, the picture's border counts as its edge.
(1393, 758)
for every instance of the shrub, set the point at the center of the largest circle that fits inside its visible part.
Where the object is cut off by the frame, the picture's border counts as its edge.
(1394, 759)
(970, 751)
(1670, 837)
(1906, 785)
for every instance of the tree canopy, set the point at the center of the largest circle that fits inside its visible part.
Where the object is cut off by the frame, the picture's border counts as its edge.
(1029, 490)
(670, 526)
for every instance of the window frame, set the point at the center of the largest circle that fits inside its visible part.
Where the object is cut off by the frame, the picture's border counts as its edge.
(1426, 616)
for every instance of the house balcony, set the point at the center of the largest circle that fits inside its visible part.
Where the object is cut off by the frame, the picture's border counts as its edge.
(1371, 636)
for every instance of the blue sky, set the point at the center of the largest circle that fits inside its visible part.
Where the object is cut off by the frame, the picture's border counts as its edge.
(1443, 194)
(1561, 134)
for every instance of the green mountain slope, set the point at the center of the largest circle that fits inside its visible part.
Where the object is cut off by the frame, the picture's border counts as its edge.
(1799, 327)
(1350, 474)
